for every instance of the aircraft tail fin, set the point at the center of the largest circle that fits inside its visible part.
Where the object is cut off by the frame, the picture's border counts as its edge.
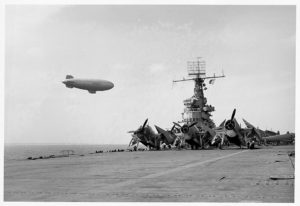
(69, 77)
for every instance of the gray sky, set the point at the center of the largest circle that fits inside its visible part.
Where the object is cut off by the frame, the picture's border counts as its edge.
(141, 49)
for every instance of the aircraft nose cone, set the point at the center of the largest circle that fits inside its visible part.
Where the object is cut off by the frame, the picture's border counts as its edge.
(64, 82)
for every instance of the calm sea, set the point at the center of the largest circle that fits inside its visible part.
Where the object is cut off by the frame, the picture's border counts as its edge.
(21, 152)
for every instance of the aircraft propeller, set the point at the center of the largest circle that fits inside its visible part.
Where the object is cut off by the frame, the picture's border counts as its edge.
(131, 131)
(233, 114)
(178, 125)
(230, 124)
(144, 124)
(139, 130)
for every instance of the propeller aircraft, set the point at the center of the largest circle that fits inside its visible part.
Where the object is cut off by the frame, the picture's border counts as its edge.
(231, 131)
(270, 136)
(194, 136)
(170, 137)
(146, 136)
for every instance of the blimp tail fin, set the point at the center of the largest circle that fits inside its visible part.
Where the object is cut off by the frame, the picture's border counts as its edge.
(69, 77)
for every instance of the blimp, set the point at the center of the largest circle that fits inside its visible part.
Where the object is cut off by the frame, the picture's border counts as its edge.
(91, 85)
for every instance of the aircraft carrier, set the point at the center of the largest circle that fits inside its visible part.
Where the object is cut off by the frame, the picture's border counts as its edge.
(265, 174)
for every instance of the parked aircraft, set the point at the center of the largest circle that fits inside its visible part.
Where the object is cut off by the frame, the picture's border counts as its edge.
(270, 136)
(220, 139)
(237, 135)
(193, 135)
(258, 132)
(91, 85)
(146, 136)
(288, 137)
(170, 137)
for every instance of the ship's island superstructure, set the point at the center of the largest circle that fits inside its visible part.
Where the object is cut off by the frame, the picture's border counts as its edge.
(196, 108)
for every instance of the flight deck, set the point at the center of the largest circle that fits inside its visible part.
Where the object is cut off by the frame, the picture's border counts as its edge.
(231, 175)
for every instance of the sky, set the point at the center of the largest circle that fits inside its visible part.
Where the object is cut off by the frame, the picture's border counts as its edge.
(142, 49)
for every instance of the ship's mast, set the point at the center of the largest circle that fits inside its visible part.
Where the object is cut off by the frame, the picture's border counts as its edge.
(196, 108)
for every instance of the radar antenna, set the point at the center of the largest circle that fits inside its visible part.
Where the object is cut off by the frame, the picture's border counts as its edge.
(197, 70)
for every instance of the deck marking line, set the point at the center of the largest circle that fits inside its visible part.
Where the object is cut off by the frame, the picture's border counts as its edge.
(183, 167)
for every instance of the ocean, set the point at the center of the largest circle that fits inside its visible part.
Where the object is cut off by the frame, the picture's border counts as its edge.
(22, 152)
